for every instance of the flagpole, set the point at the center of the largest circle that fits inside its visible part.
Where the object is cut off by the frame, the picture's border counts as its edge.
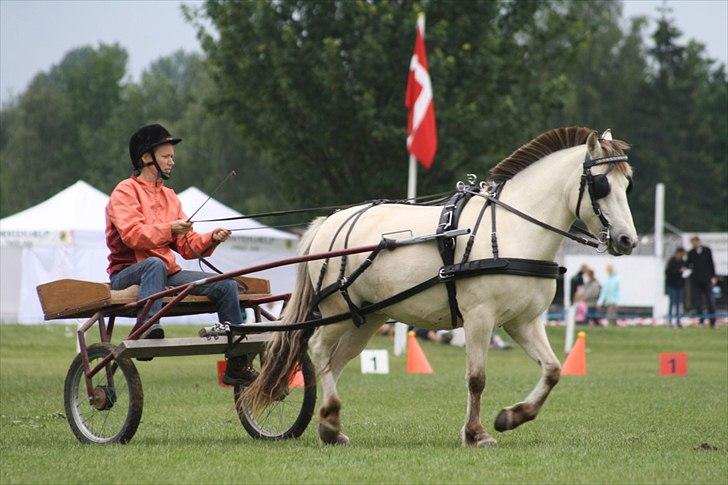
(412, 180)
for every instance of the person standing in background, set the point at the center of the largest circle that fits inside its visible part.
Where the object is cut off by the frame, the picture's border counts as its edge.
(610, 296)
(675, 285)
(591, 289)
(577, 281)
(702, 280)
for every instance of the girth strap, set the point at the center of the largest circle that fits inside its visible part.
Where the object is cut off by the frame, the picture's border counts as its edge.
(509, 266)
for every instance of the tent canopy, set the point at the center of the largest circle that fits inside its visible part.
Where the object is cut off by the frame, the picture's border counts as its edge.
(79, 207)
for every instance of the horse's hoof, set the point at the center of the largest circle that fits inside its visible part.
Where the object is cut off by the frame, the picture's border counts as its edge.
(481, 440)
(503, 421)
(486, 441)
(330, 436)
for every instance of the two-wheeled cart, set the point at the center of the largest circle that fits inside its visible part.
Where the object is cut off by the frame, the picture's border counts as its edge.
(103, 393)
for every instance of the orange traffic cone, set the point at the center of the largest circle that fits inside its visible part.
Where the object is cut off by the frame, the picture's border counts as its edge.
(575, 363)
(221, 366)
(416, 360)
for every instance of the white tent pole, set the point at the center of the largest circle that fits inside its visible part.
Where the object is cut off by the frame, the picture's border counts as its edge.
(569, 315)
(659, 247)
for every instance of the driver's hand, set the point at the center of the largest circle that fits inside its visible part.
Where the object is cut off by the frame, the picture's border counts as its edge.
(220, 234)
(181, 226)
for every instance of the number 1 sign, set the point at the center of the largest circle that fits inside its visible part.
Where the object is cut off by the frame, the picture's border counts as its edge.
(374, 362)
(673, 363)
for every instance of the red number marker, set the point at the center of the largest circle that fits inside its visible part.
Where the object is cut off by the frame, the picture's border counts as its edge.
(673, 363)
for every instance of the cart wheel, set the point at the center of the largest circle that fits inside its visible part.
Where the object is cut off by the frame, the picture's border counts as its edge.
(286, 418)
(114, 412)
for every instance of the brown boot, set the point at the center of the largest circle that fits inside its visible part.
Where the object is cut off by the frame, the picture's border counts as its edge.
(239, 372)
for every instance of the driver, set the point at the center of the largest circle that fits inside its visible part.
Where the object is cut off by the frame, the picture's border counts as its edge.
(145, 224)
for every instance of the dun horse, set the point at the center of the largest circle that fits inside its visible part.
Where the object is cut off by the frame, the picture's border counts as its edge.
(544, 178)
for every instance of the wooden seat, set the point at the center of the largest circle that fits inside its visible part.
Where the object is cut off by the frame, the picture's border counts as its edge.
(68, 298)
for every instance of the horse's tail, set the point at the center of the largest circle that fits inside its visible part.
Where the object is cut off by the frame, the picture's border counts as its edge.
(286, 349)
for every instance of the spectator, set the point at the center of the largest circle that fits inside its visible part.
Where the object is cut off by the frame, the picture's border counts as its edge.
(580, 307)
(675, 274)
(437, 336)
(702, 279)
(577, 281)
(609, 296)
(592, 288)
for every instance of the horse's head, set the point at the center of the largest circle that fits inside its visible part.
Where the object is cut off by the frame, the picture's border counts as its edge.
(602, 203)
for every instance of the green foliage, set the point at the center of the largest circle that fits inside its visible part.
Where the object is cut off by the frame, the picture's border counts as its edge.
(305, 99)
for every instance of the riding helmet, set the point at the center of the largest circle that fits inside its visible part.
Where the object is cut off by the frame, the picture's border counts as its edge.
(145, 139)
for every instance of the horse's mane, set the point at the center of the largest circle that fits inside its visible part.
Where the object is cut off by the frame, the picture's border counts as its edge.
(548, 143)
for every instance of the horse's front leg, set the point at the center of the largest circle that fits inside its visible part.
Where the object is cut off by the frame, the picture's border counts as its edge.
(532, 337)
(477, 339)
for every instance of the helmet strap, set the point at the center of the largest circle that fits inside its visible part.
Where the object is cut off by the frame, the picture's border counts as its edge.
(160, 174)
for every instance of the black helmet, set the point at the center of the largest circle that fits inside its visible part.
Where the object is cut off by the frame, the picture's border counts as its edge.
(145, 139)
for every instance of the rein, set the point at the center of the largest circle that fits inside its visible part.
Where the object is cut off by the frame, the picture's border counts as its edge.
(432, 199)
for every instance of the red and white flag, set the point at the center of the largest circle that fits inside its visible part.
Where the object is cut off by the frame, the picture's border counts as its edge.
(421, 129)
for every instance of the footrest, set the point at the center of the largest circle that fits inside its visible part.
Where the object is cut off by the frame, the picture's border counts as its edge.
(172, 347)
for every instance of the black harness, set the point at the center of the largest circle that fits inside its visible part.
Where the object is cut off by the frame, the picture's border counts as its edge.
(596, 185)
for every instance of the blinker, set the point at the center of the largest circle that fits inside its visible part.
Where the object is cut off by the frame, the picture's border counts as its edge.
(601, 187)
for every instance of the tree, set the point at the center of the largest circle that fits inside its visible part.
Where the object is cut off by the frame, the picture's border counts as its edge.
(318, 88)
(55, 133)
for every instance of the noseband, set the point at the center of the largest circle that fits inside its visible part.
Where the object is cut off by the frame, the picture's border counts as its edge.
(598, 187)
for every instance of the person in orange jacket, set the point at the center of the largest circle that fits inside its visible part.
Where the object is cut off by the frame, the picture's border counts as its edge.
(145, 226)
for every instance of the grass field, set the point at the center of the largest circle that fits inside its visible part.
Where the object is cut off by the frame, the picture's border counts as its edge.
(620, 424)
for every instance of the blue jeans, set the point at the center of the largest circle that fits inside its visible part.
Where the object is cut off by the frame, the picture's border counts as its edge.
(676, 304)
(151, 275)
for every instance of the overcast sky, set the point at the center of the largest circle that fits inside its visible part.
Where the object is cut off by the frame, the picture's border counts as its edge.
(35, 34)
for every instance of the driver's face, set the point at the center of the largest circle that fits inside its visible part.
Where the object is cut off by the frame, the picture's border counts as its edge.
(165, 157)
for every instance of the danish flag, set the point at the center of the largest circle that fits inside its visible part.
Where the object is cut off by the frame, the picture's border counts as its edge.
(421, 129)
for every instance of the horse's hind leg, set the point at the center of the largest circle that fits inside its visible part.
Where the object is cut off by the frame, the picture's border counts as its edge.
(532, 337)
(331, 349)
(477, 338)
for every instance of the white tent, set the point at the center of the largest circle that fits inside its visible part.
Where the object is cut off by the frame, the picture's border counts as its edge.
(63, 237)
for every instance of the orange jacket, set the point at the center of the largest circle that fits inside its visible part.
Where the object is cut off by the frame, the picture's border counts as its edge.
(139, 220)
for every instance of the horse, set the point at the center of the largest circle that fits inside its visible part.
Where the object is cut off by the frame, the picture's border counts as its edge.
(545, 179)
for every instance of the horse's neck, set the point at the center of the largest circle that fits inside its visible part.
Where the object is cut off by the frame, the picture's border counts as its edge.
(543, 190)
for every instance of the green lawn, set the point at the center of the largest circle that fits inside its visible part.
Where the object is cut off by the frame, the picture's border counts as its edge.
(620, 424)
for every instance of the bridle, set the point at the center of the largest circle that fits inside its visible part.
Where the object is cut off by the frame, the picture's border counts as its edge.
(598, 187)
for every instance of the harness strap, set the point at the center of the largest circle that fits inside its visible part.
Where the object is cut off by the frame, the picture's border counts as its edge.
(493, 232)
(449, 218)
(343, 284)
(471, 239)
(510, 266)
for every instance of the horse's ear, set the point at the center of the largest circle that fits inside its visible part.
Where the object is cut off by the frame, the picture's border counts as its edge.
(607, 135)
(593, 146)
